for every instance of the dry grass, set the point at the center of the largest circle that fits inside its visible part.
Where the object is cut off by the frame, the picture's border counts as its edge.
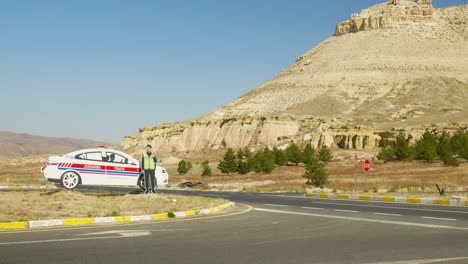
(404, 177)
(22, 206)
(22, 171)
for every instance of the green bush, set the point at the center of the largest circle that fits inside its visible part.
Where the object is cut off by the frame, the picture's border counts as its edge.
(386, 154)
(206, 169)
(183, 167)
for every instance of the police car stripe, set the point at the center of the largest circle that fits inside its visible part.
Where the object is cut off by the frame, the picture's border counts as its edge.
(116, 173)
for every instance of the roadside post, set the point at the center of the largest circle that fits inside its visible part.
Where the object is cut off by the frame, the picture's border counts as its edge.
(366, 169)
(355, 170)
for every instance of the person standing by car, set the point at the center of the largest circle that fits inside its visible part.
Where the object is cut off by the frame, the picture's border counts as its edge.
(148, 166)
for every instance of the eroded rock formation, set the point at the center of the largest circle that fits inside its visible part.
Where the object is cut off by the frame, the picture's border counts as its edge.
(388, 15)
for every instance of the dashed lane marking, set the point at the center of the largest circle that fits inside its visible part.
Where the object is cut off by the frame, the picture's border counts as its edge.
(312, 208)
(387, 214)
(346, 211)
(438, 218)
(277, 205)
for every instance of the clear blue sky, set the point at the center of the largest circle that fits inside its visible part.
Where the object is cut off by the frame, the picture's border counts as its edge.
(101, 69)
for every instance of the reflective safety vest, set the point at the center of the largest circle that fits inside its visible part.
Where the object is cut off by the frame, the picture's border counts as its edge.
(148, 161)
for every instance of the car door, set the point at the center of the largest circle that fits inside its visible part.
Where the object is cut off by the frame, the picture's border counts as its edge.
(92, 168)
(121, 170)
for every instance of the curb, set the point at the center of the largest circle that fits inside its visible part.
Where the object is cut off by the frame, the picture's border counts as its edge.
(115, 219)
(389, 199)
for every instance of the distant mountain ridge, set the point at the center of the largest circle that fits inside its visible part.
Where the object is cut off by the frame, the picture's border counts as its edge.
(21, 145)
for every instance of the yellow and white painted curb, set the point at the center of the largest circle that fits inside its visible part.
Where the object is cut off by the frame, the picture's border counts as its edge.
(389, 199)
(115, 219)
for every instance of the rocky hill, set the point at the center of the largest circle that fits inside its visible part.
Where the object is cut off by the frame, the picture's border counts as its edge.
(400, 66)
(21, 145)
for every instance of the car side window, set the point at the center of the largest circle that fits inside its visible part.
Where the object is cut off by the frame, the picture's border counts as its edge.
(116, 158)
(80, 156)
(96, 156)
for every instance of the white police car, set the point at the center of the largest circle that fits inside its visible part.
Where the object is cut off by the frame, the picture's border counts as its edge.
(98, 166)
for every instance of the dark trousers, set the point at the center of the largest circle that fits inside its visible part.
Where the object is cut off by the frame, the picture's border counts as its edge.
(150, 180)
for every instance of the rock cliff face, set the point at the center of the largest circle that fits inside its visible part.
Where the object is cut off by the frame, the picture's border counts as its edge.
(251, 132)
(387, 15)
(403, 69)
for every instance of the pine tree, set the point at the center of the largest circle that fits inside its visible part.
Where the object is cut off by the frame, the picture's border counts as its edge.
(229, 163)
(444, 150)
(426, 147)
(293, 153)
(325, 154)
(243, 167)
(459, 141)
(206, 168)
(267, 161)
(315, 173)
(402, 149)
(280, 157)
(308, 153)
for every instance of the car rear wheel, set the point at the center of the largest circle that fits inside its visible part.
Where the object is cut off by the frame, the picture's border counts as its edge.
(70, 180)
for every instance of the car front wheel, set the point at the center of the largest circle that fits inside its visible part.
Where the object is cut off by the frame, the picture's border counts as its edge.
(70, 180)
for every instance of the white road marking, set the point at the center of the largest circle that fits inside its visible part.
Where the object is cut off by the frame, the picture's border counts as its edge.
(346, 211)
(387, 214)
(373, 206)
(438, 218)
(278, 205)
(363, 219)
(64, 240)
(312, 208)
(421, 261)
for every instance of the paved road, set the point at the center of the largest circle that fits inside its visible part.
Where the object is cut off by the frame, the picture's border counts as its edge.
(275, 229)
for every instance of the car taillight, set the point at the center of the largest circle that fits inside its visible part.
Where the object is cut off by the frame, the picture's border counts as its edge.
(43, 168)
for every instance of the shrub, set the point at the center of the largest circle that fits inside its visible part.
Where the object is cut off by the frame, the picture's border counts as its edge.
(386, 154)
(206, 168)
(183, 167)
